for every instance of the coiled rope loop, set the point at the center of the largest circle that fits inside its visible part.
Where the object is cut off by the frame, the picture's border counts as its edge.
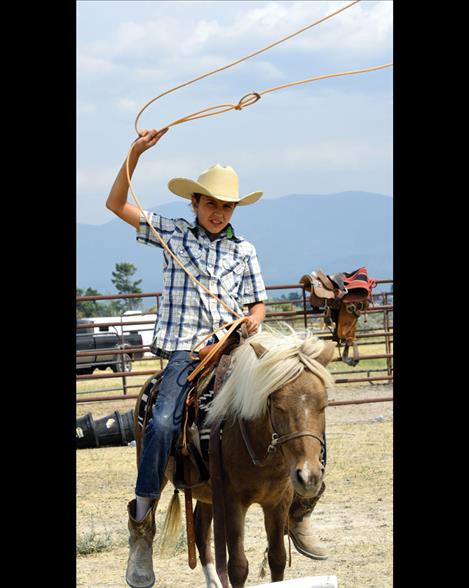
(282, 40)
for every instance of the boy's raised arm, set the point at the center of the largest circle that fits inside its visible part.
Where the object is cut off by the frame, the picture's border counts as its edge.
(117, 199)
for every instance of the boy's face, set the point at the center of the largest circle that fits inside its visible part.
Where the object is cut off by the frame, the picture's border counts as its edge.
(213, 215)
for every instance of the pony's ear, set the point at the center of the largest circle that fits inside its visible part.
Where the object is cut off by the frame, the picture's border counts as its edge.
(259, 350)
(327, 353)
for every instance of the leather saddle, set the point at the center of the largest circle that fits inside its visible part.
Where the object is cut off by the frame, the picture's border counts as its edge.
(343, 297)
(191, 451)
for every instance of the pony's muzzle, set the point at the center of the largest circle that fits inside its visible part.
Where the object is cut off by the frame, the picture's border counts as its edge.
(308, 480)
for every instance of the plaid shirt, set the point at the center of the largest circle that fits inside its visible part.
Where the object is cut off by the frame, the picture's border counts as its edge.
(227, 266)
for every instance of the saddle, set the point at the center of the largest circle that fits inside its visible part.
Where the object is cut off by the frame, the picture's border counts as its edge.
(191, 454)
(191, 451)
(343, 297)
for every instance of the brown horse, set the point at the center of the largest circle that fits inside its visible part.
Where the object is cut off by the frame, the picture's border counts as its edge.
(277, 388)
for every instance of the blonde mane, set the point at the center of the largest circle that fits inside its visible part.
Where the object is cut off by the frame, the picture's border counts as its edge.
(251, 380)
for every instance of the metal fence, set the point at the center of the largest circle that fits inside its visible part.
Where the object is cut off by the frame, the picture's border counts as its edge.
(295, 310)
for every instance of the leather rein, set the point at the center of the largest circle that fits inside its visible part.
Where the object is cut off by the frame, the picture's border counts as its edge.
(276, 439)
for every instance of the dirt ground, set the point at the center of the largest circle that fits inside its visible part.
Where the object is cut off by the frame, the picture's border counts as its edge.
(353, 519)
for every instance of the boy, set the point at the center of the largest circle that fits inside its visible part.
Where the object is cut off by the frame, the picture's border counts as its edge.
(224, 263)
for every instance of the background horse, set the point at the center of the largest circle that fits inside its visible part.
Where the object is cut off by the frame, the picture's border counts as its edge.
(278, 388)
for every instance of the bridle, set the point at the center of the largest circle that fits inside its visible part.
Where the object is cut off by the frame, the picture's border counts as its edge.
(276, 439)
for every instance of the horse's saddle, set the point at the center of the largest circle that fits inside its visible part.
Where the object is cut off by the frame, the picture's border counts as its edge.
(191, 452)
(343, 297)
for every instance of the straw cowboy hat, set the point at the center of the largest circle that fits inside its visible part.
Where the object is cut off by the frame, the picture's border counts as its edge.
(218, 181)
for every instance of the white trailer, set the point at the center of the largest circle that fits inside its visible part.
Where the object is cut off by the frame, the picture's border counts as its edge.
(145, 330)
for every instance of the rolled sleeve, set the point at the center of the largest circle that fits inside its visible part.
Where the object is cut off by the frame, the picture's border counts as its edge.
(164, 226)
(253, 283)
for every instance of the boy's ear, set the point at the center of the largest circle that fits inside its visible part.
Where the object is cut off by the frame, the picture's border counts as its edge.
(194, 204)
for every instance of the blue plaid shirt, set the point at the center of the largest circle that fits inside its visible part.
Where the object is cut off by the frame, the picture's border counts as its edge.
(227, 266)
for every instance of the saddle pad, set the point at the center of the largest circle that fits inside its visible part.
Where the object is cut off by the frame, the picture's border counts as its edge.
(205, 394)
(148, 394)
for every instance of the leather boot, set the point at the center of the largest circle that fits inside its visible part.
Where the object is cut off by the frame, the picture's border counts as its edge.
(300, 531)
(139, 572)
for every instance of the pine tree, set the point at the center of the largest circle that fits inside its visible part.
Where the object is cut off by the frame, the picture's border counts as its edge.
(87, 308)
(121, 280)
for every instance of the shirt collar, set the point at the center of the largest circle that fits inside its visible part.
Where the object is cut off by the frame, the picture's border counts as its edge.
(227, 232)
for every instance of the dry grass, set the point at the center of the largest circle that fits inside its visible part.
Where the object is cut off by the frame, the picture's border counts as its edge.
(353, 518)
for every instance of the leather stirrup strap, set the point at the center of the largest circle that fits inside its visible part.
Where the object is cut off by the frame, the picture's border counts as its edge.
(192, 560)
(218, 505)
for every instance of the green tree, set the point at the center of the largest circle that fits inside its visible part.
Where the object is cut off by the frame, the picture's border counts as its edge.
(121, 280)
(87, 308)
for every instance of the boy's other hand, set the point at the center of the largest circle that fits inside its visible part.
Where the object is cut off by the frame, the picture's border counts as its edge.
(251, 326)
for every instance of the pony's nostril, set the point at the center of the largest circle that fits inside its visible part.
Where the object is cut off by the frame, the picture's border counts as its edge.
(304, 478)
(308, 478)
(299, 476)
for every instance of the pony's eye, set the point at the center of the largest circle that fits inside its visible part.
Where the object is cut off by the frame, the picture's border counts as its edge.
(279, 408)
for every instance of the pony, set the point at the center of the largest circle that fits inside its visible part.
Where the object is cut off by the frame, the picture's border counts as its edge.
(272, 404)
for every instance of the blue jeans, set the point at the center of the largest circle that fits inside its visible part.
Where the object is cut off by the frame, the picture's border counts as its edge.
(164, 426)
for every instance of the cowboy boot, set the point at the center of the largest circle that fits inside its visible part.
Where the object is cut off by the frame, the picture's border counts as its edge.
(139, 572)
(299, 526)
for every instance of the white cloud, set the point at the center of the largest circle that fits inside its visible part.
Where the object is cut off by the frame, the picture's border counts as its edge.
(127, 104)
(133, 53)
(148, 74)
(86, 107)
(132, 39)
(151, 175)
(95, 179)
(89, 64)
(366, 27)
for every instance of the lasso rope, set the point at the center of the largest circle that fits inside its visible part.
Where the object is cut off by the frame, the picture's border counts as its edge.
(282, 40)
(245, 101)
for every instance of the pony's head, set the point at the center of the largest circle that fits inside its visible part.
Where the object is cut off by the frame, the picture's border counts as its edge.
(282, 378)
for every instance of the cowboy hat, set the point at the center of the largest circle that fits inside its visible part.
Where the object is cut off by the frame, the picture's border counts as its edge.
(219, 181)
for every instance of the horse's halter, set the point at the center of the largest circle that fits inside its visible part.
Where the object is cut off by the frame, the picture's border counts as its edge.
(276, 439)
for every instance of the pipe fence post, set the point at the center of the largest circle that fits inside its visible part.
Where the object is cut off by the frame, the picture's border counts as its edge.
(387, 334)
(304, 308)
(157, 315)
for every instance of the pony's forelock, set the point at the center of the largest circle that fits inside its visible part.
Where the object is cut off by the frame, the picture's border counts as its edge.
(251, 380)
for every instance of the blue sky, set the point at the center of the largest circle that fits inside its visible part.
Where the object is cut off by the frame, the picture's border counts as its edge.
(325, 137)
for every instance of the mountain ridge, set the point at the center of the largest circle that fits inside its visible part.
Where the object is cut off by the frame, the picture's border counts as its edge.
(293, 235)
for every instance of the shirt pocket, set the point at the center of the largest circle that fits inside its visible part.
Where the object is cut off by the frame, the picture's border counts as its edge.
(192, 259)
(232, 273)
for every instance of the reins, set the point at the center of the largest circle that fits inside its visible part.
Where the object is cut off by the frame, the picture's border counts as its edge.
(246, 100)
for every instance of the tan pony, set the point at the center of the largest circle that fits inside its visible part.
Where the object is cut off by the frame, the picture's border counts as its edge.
(273, 404)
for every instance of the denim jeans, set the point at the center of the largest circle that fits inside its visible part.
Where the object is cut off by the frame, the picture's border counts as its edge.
(163, 427)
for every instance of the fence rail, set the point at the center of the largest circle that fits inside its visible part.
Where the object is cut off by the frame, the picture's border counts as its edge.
(300, 312)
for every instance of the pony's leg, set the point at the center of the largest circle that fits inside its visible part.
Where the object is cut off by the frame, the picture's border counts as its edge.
(275, 518)
(203, 518)
(235, 515)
